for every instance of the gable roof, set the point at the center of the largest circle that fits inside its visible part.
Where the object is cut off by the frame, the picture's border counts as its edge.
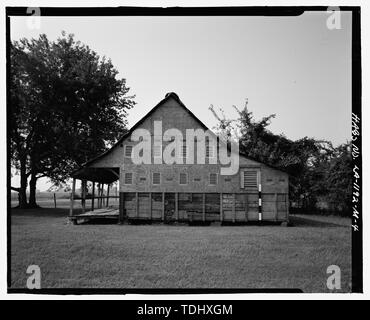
(137, 124)
(167, 97)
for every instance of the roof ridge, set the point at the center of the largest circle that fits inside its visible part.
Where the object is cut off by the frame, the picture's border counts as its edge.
(166, 98)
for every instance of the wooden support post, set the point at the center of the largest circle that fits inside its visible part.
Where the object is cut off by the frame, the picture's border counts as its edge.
(150, 206)
(276, 207)
(93, 196)
(163, 206)
(137, 204)
(72, 197)
(234, 211)
(83, 200)
(121, 207)
(177, 206)
(204, 207)
(108, 186)
(221, 207)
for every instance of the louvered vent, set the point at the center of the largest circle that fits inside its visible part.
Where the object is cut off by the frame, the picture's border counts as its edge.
(250, 179)
(213, 179)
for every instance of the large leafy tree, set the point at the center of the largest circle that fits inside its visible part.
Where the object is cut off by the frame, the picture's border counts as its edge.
(316, 168)
(338, 178)
(67, 105)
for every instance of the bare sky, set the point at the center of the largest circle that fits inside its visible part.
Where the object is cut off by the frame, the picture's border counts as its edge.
(292, 66)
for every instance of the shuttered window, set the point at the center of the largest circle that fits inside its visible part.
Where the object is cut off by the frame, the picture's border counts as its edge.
(183, 178)
(210, 151)
(157, 148)
(128, 151)
(213, 179)
(184, 150)
(128, 178)
(157, 151)
(156, 178)
(249, 179)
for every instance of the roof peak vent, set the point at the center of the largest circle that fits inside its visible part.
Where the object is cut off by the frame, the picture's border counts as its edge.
(173, 94)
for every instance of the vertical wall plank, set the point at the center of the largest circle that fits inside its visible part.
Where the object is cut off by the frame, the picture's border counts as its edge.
(276, 207)
(234, 211)
(137, 204)
(93, 196)
(150, 206)
(221, 207)
(163, 206)
(177, 206)
(204, 207)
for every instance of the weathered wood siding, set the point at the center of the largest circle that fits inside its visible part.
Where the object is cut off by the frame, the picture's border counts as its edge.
(143, 199)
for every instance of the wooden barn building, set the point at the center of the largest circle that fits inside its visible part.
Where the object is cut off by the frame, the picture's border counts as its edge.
(177, 192)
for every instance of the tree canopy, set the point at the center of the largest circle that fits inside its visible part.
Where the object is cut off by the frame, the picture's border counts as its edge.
(318, 170)
(67, 105)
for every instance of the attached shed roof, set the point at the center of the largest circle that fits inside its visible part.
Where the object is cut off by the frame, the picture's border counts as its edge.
(168, 96)
(102, 175)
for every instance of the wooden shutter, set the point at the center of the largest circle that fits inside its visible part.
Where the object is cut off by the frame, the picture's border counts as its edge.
(213, 179)
(183, 178)
(128, 178)
(128, 151)
(156, 178)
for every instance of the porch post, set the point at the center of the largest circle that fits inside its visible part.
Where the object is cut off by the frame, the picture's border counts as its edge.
(137, 204)
(102, 195)
(275, 207)
(83, 185)
(150, 206)
(98, 204)
(287, 206)
(108, 186)
(72, 197)
(163, 206)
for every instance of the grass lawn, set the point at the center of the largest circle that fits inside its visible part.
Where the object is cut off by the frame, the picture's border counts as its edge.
(163, 256)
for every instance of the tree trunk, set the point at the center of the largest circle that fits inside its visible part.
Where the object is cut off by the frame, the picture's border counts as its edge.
(32, 200)
(22, 198)
(22, 191)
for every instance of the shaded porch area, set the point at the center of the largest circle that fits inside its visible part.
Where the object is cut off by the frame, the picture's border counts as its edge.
(94, 195)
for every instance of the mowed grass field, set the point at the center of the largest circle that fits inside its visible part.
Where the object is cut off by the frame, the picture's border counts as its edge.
(178, 256)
